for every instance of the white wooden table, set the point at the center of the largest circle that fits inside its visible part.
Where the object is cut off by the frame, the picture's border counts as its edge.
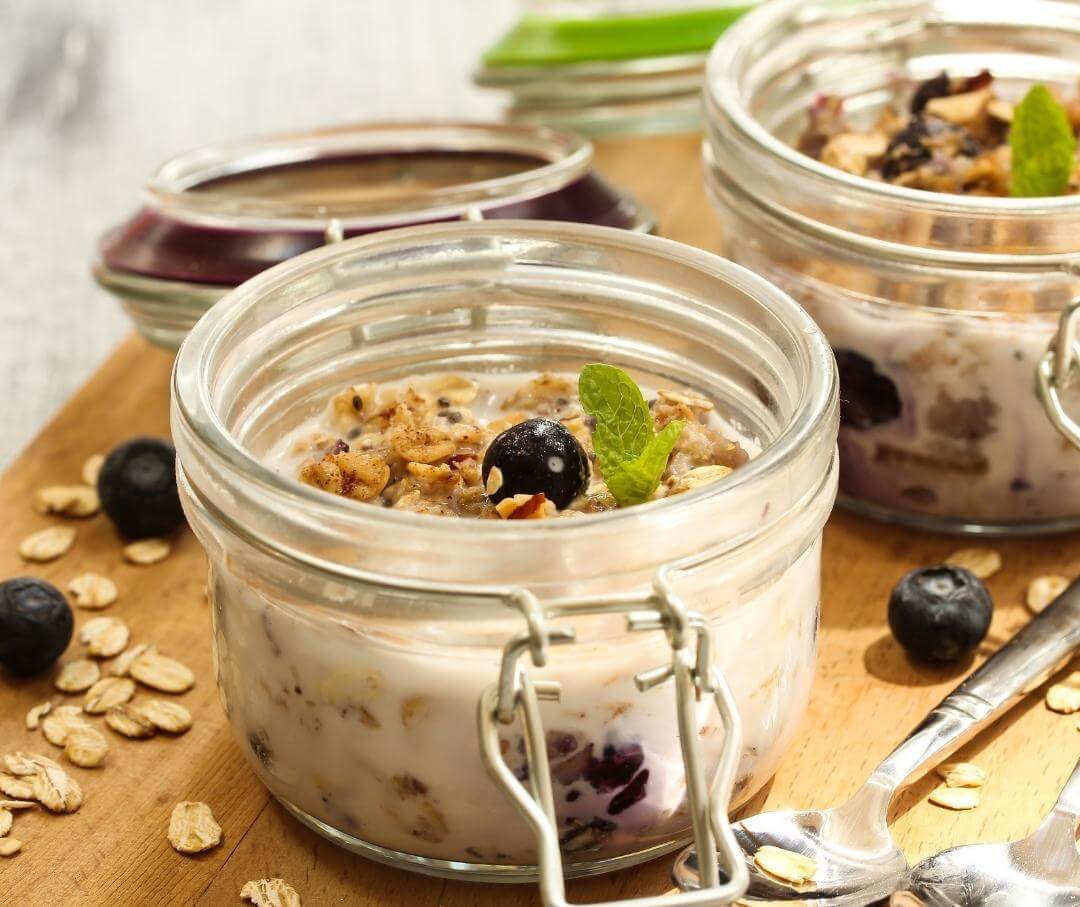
(94, 94)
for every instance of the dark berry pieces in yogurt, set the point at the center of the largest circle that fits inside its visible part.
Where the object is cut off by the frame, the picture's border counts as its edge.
(615, 767)
(35, 624)
(537, 456)
(137, 487)
(940, 614)
(629, 795)
(867, 397)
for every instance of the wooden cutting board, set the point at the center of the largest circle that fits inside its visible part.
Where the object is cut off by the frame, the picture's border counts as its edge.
(114, 849)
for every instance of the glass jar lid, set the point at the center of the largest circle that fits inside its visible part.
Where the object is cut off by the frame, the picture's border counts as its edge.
(220, 214)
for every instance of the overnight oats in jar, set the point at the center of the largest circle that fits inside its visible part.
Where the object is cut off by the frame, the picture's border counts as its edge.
(412, 457)
(887, 167)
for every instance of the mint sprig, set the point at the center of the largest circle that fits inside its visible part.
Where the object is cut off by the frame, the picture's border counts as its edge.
(632, 456)
(1043, 146)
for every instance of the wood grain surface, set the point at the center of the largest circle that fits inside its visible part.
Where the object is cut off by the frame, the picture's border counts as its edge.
(114, 849)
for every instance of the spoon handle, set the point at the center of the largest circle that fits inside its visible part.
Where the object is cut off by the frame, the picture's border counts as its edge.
(1018, 667)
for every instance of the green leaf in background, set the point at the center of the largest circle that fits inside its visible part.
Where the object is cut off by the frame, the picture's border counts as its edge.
(1043, 146)
(634, 481)
(624, 424)
(632, 456)
(544, 41)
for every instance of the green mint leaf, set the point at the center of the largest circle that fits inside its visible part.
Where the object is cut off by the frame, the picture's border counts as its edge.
(624, 424)
(634, 481)
(1043, 146)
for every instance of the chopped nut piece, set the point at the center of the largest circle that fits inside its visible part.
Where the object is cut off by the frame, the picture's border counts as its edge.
(56, 790)
(1044, 589)
(526, 507)
(1000, 110)
(61, 722)
(696, 478)
(86, 747)
(105, 637)
(6, 821)
(9, 847)
(108, 692)
(91, 468)
(146, 551)
(121, 665)
(90, 590)
(853, 152)
(785, 865)
(192, 828)
(34, 716)
(494, 481)
(77, 676)
(270, 893)
(961, 774)
(10, 786)
(960, 109)
(161, 673)
(955, 797)
(165, 716)
(47, 544)
(1064, 697)
(983, 562)
(68, 500)
(124, 719)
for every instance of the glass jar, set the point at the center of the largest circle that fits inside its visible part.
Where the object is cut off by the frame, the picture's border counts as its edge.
(608, 67)
(940, 307)
(215, 216)
(354, 643)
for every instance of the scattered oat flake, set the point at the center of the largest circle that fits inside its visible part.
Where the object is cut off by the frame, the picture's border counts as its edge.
(47, 544)
(86, 747)
(955, 797)
(108, 692)
(130, 723)
(92, 467)
(105, 636)
(785, 865)
(26, 765)
(68, 500)
(162, 673)
(10, 786)
(1044, 589)
(121, 665)
(6, 821)
(9, 847)
(77, 676)
(17, 804)
(146, 551)
(983, 562)
(91, 590)
(56, 790)
(1064, 697)
(60, 722)
(192, 828)
(165, 716)
(961, 774)
(270, 893)
(34, 716)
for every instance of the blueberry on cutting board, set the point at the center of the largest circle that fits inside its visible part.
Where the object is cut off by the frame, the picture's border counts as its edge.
(35, 624)
(137, 487)
(940, 614)
(537, 456)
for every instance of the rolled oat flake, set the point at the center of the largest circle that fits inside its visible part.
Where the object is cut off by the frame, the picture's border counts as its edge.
(785, 865)
(270, 893)
(192, 828)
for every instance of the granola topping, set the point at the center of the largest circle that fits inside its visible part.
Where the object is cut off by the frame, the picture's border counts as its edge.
(419, 445)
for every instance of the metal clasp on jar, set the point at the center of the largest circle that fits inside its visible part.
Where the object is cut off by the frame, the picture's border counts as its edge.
(1059, 369)
(517, 695)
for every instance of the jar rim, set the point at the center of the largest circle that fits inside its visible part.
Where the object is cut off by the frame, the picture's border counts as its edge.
(562, 157)
(724, 97)
(198, 416)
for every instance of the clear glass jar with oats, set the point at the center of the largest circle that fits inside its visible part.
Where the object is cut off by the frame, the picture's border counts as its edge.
(359, 434)
(860, 158)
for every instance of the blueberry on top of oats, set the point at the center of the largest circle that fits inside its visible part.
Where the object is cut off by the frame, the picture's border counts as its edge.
(137, 487)
(536, 456)
(35, 624)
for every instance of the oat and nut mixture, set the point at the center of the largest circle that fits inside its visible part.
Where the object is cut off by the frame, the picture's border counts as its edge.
(953, 136)
(427, 446)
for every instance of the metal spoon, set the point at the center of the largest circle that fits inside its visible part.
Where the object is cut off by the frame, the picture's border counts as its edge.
(1042, 869)
(857, 860)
